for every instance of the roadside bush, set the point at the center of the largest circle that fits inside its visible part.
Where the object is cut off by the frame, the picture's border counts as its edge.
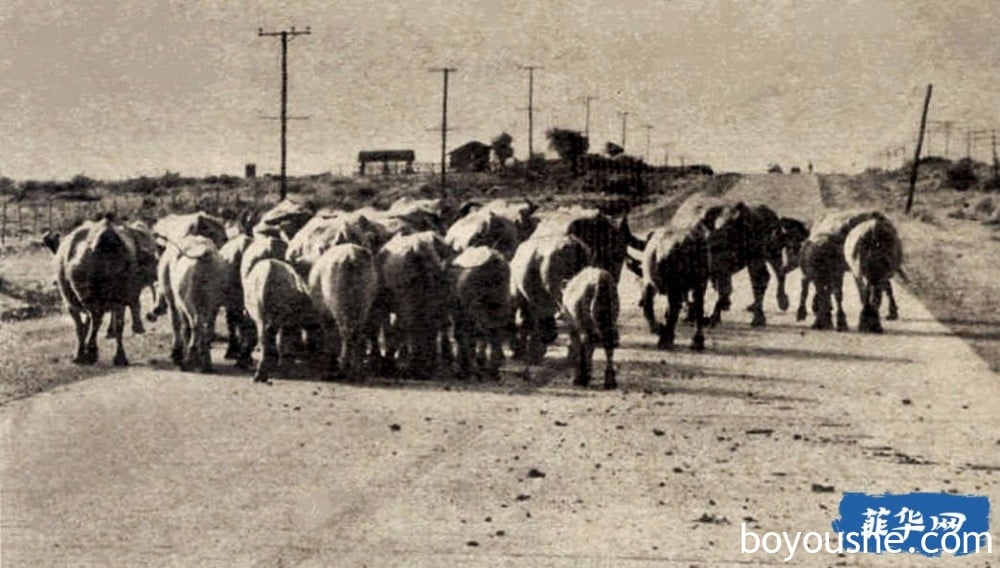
(962, 175)
(984, 207)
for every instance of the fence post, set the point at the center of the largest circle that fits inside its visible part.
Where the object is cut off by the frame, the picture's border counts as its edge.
(3, 225)
(34, 210)
(20, 222)
(51, 227)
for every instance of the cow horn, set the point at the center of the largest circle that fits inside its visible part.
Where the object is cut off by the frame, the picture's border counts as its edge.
(633, 265)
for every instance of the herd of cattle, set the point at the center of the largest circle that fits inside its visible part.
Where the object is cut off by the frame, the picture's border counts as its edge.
(390, 289)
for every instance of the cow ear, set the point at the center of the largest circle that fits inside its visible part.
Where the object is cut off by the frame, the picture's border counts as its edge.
(562, 285)
(51, 240)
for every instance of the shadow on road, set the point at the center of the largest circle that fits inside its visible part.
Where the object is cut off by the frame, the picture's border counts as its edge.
(791, 353)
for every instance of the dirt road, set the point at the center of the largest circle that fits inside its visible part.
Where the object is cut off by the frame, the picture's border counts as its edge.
(768, 427)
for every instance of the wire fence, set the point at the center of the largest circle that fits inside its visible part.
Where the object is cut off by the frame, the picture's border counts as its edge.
(28, 219)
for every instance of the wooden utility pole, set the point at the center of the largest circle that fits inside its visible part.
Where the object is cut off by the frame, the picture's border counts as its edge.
(916, 154)
(284, 35)
(624, 114)
(996, 165)
(973, 136)
(531, 110)
(586, 124)
(649, 129)
(666, 154)
(445, 71)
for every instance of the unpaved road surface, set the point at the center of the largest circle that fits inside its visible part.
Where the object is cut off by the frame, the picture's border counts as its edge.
(768, 426)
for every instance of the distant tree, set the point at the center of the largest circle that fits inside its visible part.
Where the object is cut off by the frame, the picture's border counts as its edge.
(81, 182)
(613, 149)
(571, 145)
(774, 168)
(502, 148)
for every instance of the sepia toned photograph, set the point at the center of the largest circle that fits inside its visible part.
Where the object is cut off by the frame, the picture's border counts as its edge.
(508, 283)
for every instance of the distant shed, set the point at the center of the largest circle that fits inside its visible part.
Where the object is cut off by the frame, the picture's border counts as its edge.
(386, 157)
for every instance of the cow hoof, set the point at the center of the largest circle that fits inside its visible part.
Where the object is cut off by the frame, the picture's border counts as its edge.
(581, 381)
(138, 328)
(120, 360)
(822, 324)
(714, 320)
(801, 314)
(783, 302)
(893, 315)
(80, 360)
(842, 323)
(665, 343)
(610, 380)
(232, 352)
(758, 320)
(261, 378)
(698, 343)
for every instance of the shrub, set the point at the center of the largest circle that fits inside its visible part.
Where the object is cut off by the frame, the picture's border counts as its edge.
(962, 175)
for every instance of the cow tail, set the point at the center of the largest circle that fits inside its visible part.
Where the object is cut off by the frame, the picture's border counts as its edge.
(604, 308)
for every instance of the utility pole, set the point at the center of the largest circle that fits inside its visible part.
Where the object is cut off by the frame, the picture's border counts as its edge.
(284, 35)
(941, 126)
(624, 114)
(445, 71)
(531, 110)
(972, 136)
(666, 154)
(649, 129)
(586, 125)
(916, 154)
(996, 165)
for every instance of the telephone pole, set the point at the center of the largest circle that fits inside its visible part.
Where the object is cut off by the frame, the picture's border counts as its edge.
(972, 136)
(284, 35)
(996, 163)
(649, 129)
(586, 125)
(666, 153)
(624, 114)
(941, 126)
(531, 110)
(445, 71)
(916, 153)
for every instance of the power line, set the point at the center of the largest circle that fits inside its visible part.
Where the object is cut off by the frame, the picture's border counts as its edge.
(284, 35)
(445, 71)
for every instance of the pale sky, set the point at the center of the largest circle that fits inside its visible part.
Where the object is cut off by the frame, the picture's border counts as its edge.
(117, 89)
